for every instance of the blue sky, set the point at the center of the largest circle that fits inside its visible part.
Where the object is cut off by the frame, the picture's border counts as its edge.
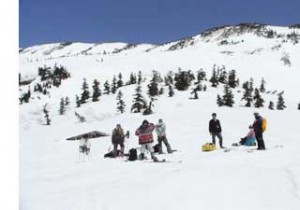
(142, 21)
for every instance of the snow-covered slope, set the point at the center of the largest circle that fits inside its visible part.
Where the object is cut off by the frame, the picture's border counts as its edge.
(52, 178)
(244, 48)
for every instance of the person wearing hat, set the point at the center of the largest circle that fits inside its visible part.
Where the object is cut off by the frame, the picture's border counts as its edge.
(145, 134)
(257, 126)
(215, 130)
(160, 129)
(118, 139)
(250, 139)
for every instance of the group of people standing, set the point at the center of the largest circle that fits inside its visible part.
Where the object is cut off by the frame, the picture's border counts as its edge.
(145, 136)
(255, 132)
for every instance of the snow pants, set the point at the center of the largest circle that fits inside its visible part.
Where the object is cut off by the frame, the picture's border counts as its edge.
(165, 140)
(116, 142)
(144, 148)
(219, 135)
(260, 141)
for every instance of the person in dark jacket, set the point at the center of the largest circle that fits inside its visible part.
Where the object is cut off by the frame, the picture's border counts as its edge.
(118, 139)
(257, 126)
(215, 130)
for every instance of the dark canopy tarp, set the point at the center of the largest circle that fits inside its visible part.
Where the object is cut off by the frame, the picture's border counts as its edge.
(90, 135)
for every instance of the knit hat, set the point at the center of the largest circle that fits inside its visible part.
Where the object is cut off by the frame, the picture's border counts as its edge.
(145, 123)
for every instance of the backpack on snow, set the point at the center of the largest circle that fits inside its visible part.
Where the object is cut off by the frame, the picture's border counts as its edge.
(264, 125)
(207, 147)
(132, 155)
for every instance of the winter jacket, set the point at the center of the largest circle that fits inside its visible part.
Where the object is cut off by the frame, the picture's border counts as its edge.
(215, 126)
(251, 133)
(118, 135)
(160, 129)
(145, 134)
(257, 126)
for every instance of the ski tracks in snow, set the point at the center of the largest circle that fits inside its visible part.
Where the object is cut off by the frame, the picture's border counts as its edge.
(292, 179)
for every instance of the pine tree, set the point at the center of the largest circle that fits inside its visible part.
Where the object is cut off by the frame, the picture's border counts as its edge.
(198, 87)
(204, 88)
(183, 79)
(262, 86)
(96, 91)
(161, 91)
(223, 76)
(114, 86)
(140, 78)
(120, 82)
(232, 80)
(44, 73)
(271, 105)
(171, 91)
(258, 101)
(214, 78)
(251, 84)
(132, 79)
(169, 78)
(46, 112)
(106, 88)
(62, 108)
(67, 101)
(138, 100)
(28, 94)
(153, 86)
(78, 102)
(148, 109)
(248, 94)
(195, 94)
(228, 96)
(201, 76)
(299, 106)
(120, 104)
(85, 95)
(219, 100)
(45, 91)
(280, 103)
(80, 118)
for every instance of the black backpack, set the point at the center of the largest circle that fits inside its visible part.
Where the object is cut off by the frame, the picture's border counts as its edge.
(132, 155)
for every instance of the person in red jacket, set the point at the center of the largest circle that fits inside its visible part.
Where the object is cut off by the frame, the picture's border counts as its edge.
(145, 134)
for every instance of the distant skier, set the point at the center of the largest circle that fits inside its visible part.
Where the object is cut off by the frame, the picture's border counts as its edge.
(118, 139)
(215, 130)
(258, 129)
(160, 129)
(145, 134)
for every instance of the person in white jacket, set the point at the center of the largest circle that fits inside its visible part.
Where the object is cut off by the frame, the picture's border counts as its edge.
(160, 129)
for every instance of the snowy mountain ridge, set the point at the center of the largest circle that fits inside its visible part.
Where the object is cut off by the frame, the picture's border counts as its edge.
(241, 47)
(66, 49)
